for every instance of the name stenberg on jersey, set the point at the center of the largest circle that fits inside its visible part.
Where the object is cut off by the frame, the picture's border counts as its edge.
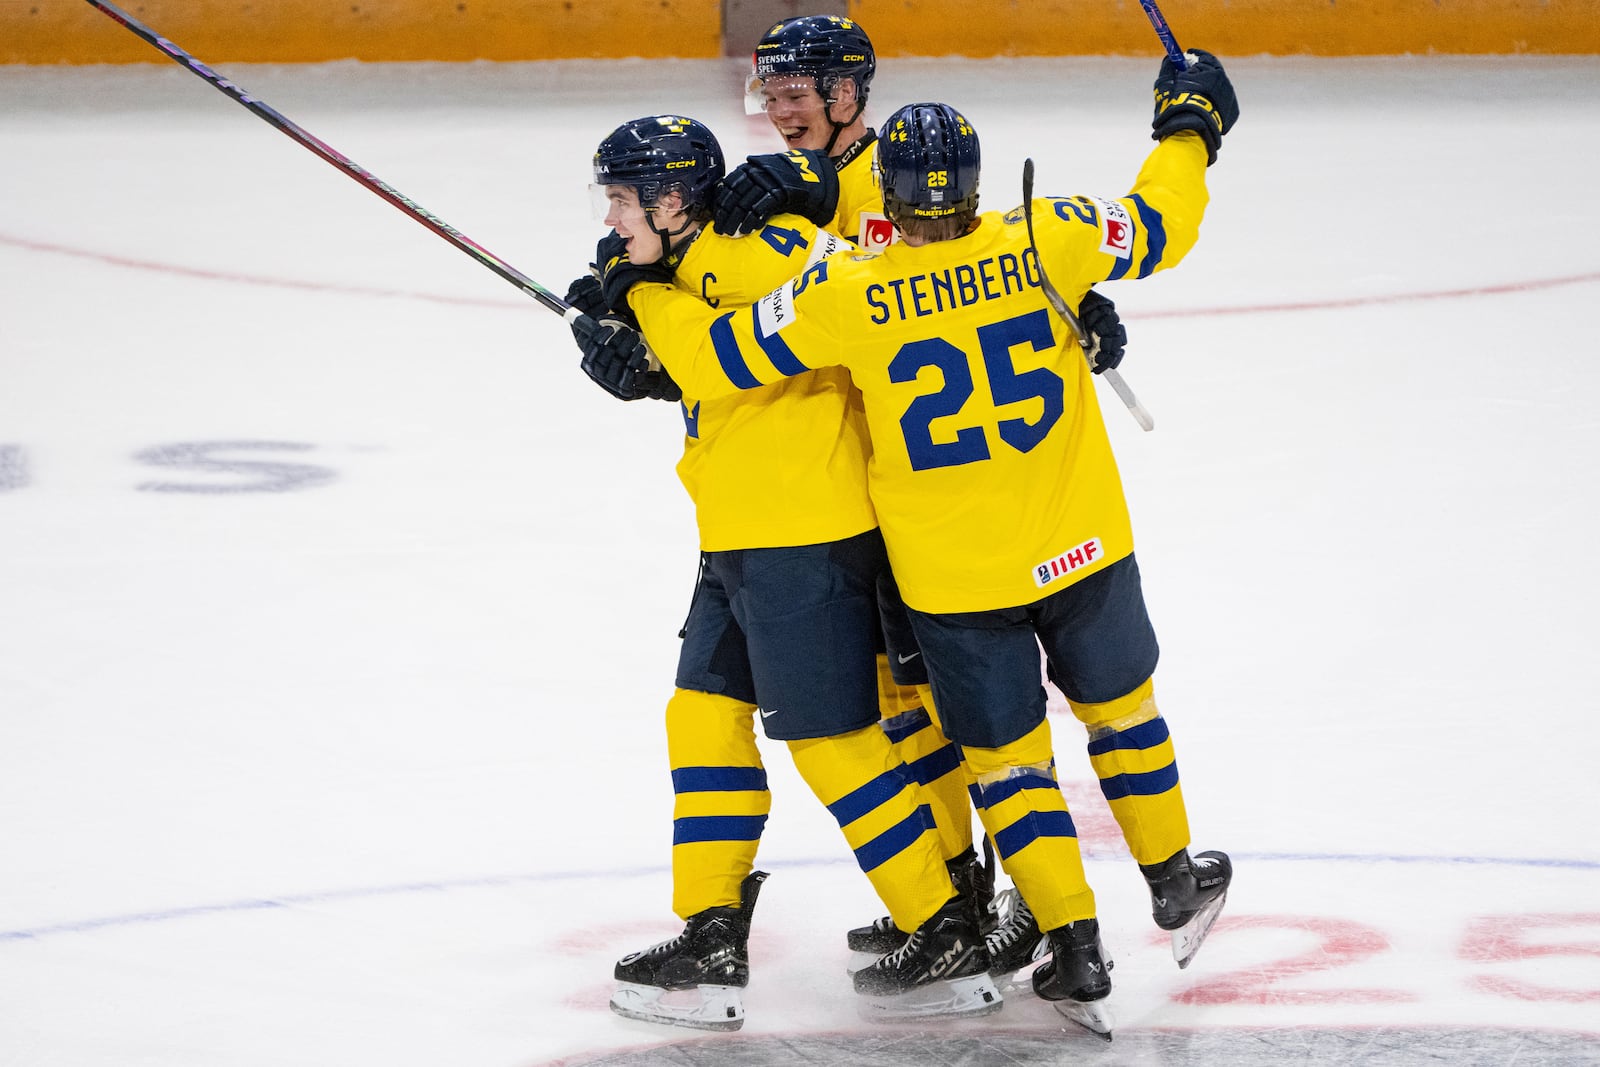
(1070, 560)
(960, 286)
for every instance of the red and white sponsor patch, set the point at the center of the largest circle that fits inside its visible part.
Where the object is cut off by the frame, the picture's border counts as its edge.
(1072, 559)
(1116, 229)
(877, 232)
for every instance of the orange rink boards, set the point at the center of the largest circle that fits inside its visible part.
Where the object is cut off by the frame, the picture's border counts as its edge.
(293, 31)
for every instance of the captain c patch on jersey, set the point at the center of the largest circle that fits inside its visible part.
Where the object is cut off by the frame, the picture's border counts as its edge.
(1116, 229)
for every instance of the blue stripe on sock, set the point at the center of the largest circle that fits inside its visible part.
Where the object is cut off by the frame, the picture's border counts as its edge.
(1145, 735)
(896, 839)
(935, 765)
(717, 828)
(850, 807)
(906, 724)
(719, 780)
(989, 794)
(1031, 827)
(1149, 784)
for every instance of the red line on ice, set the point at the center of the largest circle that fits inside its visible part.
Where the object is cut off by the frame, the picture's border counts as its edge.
(1175, 313)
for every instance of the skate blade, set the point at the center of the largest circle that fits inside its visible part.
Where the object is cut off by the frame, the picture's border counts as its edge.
(1019, 983)
(707, 1007)
(1093, 1016)
(956, 999)
(1187, 939)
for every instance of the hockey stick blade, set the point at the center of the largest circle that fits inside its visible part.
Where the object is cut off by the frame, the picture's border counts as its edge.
(581, 322)
(1145, 420)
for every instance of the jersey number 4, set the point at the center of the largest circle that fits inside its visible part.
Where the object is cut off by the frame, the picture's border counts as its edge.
(1006, 386)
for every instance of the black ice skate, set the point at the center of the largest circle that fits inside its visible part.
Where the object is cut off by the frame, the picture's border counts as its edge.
(1187, 894)
(710, 957)
(940, 970)
(1015, 944)
(971, 877)
(1078, 976)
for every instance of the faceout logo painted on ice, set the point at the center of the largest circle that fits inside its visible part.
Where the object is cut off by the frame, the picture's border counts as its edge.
(1070, 560)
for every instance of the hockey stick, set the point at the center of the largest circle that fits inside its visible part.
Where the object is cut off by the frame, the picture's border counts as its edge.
(1168, 42)
(354, 171)
(1140, 415)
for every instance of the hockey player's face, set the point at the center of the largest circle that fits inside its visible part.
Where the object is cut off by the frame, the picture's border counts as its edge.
(632, 222)
(797, 111)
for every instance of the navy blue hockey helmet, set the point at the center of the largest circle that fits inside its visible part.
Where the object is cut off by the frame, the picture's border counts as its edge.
(928, 162)
(826, 48)
(658, 154)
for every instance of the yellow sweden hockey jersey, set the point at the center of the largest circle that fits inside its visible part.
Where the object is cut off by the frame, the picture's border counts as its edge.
(784, 464)
(992, 475)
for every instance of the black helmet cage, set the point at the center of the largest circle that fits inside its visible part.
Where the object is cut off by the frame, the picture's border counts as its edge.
(928, 162)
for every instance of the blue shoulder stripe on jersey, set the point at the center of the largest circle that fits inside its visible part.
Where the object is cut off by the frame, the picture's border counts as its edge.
(719, 780)
(728, 355)
(1155, 236)
(778, 353)
(717, 828)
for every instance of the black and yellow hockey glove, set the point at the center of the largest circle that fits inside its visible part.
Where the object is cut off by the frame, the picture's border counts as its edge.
(1200, 98)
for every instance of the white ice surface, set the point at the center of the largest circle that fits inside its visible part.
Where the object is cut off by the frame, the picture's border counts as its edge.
(369, 769)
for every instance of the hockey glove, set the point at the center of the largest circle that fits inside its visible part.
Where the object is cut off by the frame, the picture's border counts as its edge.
(584, 294)
(799, 182)
(618, 273)
(1200, 98)
(619, 362)
(1102, 330)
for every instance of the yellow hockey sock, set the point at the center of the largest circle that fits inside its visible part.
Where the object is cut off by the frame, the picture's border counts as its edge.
(1131, 752)
(720, 798)
(887, 824)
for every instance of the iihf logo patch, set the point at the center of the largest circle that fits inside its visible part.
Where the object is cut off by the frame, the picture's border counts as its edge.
(877, 232)
(1070, 560)
(1116, 229)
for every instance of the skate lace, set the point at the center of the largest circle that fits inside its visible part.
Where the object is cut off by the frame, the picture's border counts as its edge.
(1011, 931)
(668, 945)
(904, 952)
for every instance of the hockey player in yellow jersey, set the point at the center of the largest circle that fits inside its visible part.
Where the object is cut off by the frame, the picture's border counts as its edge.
(811, 76)
(786, 609)
(996, 487)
